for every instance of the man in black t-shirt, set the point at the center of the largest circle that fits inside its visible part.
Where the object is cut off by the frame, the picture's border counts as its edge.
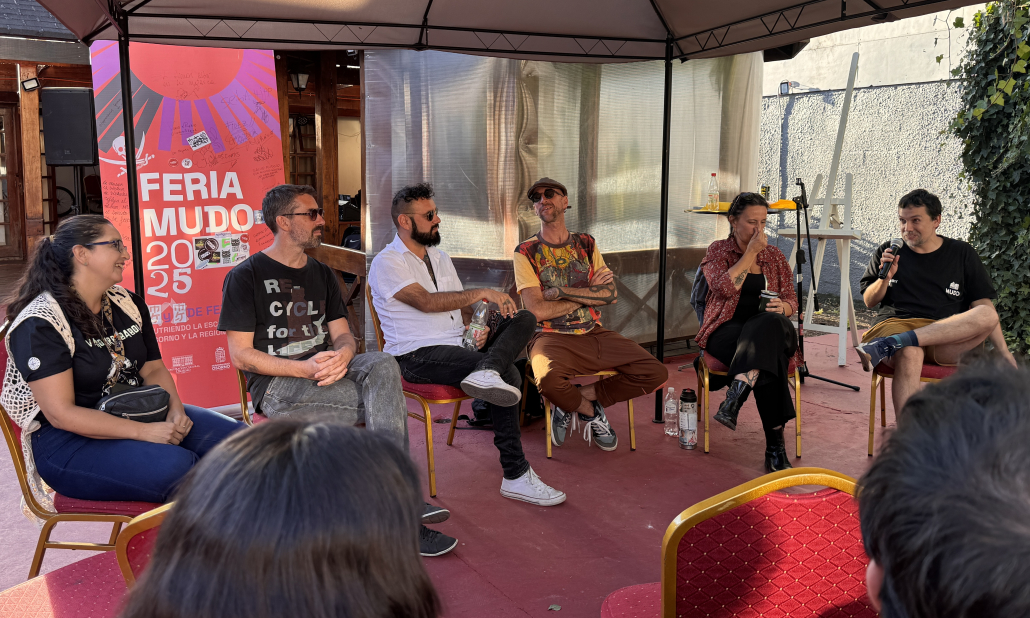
(287, 328)
(934, 304)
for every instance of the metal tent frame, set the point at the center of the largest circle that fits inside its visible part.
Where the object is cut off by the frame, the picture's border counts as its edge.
(769, 28)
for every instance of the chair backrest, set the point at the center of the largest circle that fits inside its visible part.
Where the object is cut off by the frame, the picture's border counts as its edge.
(375, 316)
(753, 545)
(135, 543)
(12, 435)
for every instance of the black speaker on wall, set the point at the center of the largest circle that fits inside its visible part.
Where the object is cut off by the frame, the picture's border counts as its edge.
(69, 129)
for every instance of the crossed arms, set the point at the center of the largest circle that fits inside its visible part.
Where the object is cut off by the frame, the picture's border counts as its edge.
(553, 302)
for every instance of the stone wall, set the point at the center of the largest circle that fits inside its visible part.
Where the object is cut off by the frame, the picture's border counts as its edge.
(894, 143)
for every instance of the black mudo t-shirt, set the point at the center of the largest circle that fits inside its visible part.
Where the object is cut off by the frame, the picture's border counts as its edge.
(39, 351)
(287, 309)
(932, 285)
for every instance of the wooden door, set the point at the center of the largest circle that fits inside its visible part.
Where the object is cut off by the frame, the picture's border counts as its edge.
(12, 219)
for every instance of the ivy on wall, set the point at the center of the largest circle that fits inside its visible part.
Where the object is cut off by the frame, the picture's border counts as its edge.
(994, 126)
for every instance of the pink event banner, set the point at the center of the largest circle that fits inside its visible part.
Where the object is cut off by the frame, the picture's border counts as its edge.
(207, 149)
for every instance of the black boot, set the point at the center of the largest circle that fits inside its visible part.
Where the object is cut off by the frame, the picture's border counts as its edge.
(775, 451)
(735, 397)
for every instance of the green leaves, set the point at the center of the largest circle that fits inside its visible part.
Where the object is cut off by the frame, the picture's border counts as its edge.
(994, 128)
(939, 58)
(959, 22)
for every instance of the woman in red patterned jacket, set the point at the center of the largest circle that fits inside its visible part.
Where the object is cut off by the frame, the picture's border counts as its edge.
(755, 345)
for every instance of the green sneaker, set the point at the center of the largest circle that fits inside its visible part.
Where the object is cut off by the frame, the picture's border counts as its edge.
(599, 429)
(559, 425)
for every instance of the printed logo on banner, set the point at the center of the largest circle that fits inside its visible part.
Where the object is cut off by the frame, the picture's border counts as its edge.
(220, 363)
(198, 140)
(220, 251)
(155, 314)
(182, 364)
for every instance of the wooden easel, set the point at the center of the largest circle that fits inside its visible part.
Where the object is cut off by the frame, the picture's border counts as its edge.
(833, 227)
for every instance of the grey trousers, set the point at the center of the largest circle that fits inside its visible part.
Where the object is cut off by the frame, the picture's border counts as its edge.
(370, 392)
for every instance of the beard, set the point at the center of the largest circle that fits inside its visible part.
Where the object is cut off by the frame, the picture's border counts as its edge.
(427, 239)
(308, 242)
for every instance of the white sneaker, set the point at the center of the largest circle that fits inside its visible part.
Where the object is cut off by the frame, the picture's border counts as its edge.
(487, 385)
(529, 488)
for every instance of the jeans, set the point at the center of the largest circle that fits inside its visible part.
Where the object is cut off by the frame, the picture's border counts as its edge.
(125, 470)
(370, 392)
(450, 364)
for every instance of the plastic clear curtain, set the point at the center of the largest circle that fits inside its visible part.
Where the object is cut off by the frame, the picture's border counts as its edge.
(482, 129)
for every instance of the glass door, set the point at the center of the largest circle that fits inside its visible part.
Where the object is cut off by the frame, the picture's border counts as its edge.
(11, 217)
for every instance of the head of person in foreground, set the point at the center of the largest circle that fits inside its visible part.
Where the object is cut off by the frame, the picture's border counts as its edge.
(292, 518)
(945, 507)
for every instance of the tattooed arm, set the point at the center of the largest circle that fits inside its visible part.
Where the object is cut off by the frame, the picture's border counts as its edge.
(601, 291)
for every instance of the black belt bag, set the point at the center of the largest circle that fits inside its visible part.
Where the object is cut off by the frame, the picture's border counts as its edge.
(144, 404)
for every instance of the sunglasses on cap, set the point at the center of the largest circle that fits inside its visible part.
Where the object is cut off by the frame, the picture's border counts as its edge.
(312, 214)
(536, 196)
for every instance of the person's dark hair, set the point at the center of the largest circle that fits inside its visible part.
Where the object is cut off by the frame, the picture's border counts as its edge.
(407, 195)
(741, 202)
(279, 201)
(922, 197)
(944, 505)
(50, 269)
(292, 518)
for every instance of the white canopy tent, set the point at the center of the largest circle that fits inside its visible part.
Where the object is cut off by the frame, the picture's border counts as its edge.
(597, 31)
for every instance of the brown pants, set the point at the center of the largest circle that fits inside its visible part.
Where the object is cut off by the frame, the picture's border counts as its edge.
(556, 358)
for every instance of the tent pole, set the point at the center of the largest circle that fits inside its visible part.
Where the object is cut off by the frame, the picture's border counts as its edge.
(136, 243)
(663, 233)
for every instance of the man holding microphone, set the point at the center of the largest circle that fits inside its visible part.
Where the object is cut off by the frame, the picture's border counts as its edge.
(934, 298)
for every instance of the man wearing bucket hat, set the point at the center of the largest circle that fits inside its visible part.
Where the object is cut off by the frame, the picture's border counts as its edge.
(563, 280)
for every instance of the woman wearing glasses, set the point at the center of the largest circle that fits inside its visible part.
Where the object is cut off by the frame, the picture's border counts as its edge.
(75, 336)
(748, 329)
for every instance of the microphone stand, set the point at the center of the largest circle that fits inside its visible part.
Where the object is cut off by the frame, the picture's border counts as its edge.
(802, 207)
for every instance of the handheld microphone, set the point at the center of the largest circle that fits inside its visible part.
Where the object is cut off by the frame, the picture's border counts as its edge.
(896, 246)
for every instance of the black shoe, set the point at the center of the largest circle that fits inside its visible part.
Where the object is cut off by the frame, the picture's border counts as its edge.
(432, 543)
(776, 453)
(433, 514)
(735, 397)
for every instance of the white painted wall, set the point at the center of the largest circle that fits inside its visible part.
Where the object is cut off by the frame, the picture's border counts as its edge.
(348, 134)
(901, 52)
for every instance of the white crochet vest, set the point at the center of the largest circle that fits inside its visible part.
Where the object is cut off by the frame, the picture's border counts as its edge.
(16, 396)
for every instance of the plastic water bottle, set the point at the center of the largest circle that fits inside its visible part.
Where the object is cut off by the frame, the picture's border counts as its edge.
(672, 427)
(713, 194)
(688, 419)
(477, 324)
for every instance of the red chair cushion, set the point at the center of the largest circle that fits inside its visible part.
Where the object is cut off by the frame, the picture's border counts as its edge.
(640, 601)
(90, 587)
(432, 391)
(64, 504)
(715, 364)
(934, 372)
(781, 554)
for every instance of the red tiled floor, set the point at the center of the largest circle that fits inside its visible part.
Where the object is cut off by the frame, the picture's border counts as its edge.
(515, 559)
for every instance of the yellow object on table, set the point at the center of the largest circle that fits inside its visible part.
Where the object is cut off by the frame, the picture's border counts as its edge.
(723, 207)
(783, 205)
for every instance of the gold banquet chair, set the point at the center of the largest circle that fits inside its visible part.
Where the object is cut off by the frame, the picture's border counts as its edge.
(426, 395)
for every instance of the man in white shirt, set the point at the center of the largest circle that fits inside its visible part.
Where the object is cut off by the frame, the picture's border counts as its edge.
(423, 310)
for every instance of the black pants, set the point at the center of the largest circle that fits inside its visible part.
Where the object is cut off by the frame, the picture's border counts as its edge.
(450, 364)
(766, 342)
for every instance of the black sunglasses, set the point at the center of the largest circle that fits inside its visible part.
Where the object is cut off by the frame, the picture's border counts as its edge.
(312, 214)
(429, 215)
(118, 245)
(536, 196)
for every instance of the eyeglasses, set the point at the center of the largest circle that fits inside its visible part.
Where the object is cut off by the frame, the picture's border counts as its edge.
(536, 196)
(312, 214)
(429, 215)
(118, 245)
